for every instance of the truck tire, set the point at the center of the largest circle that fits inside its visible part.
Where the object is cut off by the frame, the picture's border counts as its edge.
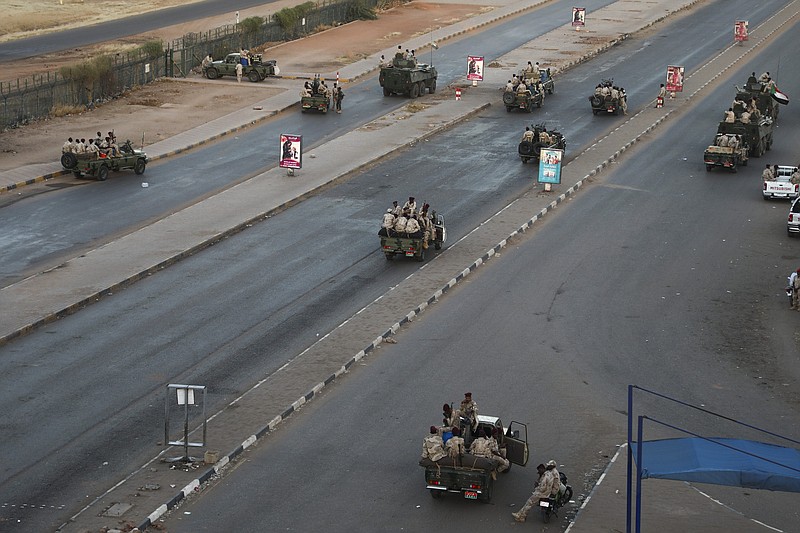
(508, 98)
(436, 494)
(389, 257)
(69, 160)
(139, 166)
(508, 109)
(709, 167)
(77, 173)
(421, 257)
(387, 92)
(102, 173)
(437, 245)
(595, 111)
(414, 91)
(432, 86)
(254, 76)
(211, 73)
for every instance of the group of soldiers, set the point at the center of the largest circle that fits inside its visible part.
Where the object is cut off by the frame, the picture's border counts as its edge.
(770, 173)
(748, 111)
(607, 90)
(317, 87)
(529, 81)
(730, 140)
(406, 59)
(408, 222)
(458, 425)
(538, 134)
(98, 146)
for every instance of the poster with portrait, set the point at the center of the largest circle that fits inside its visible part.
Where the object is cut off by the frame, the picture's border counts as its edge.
(291, 151)
(475, 68)
(674, 79)
(550, 165)
(740, 30)
(579, 16)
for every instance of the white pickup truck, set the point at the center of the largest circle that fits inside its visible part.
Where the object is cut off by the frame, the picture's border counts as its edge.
(782, 186)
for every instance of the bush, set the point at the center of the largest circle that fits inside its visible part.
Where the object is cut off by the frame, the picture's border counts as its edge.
(359, 10)
(152, 49)
(289, 17)
(251, 24)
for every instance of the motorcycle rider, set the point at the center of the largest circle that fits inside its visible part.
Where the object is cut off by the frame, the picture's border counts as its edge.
(549, 484)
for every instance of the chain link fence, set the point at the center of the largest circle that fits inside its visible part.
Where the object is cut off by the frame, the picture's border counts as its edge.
(28, 99)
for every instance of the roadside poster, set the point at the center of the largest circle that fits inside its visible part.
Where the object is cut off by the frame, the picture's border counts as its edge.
(550, 165)
(578, 16)
(674, 79)
(740, 30)
(475, 68)
(291, 151)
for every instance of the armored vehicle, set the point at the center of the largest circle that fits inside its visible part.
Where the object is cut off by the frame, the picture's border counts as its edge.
(541, 139)
(254, 69)
(757, 135)
(522, 100)
(728, 151)
(754, 89)
(98, 166)
(407, 77)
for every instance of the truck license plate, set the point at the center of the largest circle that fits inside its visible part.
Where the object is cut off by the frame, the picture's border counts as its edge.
(543, 503)
(470, 495)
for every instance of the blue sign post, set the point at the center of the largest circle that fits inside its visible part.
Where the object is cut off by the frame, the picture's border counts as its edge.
(550, 167)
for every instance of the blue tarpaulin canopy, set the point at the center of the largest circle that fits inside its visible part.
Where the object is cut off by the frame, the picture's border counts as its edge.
(732, 462)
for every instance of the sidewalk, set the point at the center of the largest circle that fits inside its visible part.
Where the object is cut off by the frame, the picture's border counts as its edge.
(82, 280)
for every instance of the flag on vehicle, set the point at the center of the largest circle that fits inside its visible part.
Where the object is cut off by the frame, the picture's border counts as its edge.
(779, 96)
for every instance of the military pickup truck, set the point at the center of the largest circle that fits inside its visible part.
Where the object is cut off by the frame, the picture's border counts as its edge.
(522, 100)
(781, 186)
(543, 76)
(757, 135)
(407, 77)
(528, 150)
(255, 70)
(471, 476)
(393, 243)
(97, 166)
(728, 151)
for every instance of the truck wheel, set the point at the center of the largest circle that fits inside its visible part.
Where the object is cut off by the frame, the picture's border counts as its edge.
(508, 98)
(254, 76)
(422, 88)
(211, 73)
(432, 87)
(414, 91)
(389, 257)
(421, 257)
(387, 92)
(436, 494)
(139, 166)
(508, 109)
(437, 245)
(709, 167)
(77, 173)
(69, 160)
(102, 173)
(595, 111)
(733, 169)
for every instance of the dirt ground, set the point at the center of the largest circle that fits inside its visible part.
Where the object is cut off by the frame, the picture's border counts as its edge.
(168, 107)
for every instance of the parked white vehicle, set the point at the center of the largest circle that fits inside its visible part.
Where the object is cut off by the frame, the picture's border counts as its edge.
(781, 186)
(793, 223)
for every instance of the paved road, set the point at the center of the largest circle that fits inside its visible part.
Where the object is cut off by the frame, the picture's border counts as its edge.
(117, 29)
(66, 222)
(658, 274)
(191, 305)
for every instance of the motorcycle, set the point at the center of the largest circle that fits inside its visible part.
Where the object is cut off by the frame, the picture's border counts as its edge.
(550, 506)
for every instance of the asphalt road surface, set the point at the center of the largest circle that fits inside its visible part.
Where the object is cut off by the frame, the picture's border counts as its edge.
(64, 223)
(117, 29)
(84, 394)
(659, 274)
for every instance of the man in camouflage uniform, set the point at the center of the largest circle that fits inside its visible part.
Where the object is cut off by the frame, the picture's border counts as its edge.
(400, 223)
(549, 484)
(455, 445)
(469, 409)
(767, 174)
(388, 222)
(432, 446)
(68, 146)
(494, 447)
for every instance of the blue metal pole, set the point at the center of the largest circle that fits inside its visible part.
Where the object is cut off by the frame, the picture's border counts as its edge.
(639, 452)
(630, 460)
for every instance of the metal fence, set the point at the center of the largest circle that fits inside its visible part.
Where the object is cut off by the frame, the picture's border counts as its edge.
(28, 99)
